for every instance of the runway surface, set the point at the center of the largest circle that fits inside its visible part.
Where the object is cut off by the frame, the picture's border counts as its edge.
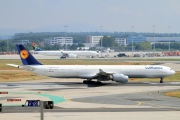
(72, 97)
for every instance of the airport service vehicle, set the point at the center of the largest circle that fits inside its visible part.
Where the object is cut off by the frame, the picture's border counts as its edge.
(65, 54)
(122, 55)
(118, 73)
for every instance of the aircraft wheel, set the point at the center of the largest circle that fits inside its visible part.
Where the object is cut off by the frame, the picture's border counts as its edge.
(99, 82)
(85, 82)
(161, 81)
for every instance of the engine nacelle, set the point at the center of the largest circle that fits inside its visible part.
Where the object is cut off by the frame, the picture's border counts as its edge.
(72, 56)
(120, 78)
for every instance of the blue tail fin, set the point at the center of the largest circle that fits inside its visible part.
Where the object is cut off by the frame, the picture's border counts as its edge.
(35, 47)
(26, 57)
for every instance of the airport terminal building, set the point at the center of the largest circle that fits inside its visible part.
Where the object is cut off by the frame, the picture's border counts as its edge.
(121, 41)
(140, 38)
(93, 39)
(136, 39)
(163, 39)
(24, 42)
(59, 40)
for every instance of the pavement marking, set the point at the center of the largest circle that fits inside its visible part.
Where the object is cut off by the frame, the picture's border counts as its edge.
(139, 103)
(55, 99)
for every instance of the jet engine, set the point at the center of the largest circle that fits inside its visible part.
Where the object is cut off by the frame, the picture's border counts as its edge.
(120, 78)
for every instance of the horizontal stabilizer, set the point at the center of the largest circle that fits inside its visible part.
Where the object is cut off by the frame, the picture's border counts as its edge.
(25, 67)
(13, 65)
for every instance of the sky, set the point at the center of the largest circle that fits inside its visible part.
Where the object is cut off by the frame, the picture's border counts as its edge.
(89, 15)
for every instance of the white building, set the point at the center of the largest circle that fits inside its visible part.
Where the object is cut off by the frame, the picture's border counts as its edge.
(47, 41)
(93, 39)
(24, 42)
(121, 41)
(59, 40)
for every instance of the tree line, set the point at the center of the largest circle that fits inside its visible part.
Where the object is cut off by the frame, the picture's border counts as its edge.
(107, 43)
(79, 38)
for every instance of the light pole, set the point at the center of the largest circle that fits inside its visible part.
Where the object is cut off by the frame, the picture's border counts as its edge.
(65, 26)
(153, 41)
(132, 38)
(101, 40)
(169, 38)
(7, 45)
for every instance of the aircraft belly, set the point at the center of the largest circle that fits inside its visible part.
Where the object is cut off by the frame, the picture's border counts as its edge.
(87, 73)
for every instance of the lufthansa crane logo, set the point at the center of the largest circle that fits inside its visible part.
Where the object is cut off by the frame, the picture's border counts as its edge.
(24, 54)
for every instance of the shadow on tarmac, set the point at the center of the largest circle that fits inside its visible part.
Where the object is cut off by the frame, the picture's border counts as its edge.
(111, 83)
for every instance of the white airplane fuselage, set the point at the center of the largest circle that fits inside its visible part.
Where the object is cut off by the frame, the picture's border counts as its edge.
(75, 53)
(88, 71)
(118, 73)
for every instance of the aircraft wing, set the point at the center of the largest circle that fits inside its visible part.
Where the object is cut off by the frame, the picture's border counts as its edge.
(96, 75)
(70, 55)
(102, 73)
(64, 54)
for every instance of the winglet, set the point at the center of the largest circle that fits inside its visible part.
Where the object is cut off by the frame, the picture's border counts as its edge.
(26, 57)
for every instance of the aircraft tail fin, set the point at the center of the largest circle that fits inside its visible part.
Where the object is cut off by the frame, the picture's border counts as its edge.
(35, 47)
(26, 56)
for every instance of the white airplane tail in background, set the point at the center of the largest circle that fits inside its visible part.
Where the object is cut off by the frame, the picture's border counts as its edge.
(35, 47)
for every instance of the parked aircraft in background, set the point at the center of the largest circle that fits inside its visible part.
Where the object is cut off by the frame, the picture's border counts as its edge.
(118, 73)
(65, 54)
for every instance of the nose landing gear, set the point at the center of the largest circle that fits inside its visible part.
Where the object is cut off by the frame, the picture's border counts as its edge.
(161, 80)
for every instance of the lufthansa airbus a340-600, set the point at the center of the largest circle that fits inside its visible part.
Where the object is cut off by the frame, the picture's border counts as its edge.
(118, 73)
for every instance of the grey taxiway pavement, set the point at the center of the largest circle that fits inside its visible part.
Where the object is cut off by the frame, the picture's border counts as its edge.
(110, 99)
(17, 109)
(155, 99)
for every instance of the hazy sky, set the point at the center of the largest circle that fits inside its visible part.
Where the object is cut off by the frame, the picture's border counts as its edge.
(89, 15)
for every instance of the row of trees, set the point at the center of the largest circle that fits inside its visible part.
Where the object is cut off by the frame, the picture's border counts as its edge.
(81, 38)
(111, 43)
(145, 46)
(107, 43)
(10, 46)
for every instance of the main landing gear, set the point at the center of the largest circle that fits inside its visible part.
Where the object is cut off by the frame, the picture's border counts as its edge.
(63, 57)
(161, 80)
(88, 81)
